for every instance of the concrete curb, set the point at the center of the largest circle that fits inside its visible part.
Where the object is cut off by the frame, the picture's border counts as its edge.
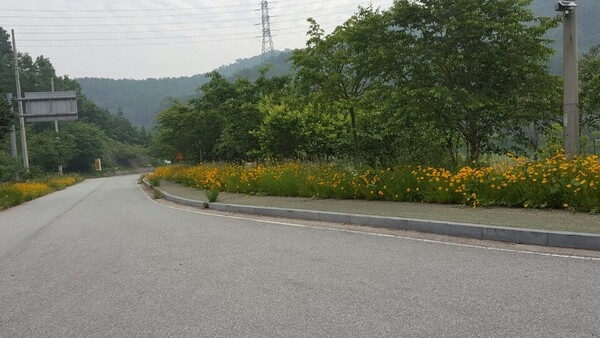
(496, 233)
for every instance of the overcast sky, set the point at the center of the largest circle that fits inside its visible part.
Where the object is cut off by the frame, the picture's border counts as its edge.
(138, 39)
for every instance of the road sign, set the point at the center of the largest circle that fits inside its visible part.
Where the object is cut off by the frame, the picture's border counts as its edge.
(50, 106)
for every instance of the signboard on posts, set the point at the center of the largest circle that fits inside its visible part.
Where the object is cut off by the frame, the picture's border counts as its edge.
(50, 106)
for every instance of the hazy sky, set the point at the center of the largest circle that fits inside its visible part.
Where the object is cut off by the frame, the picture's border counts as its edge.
(161, 38)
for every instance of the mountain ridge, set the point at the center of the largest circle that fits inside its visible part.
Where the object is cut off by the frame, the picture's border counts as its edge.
(141, 100)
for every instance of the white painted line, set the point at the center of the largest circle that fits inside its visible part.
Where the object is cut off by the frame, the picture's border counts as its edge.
(378, 235)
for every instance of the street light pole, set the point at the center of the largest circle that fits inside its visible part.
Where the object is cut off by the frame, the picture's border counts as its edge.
(571, 78)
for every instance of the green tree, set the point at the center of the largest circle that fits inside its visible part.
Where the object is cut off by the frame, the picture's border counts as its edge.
(280, 133)
(589, 96)
(7, 71)
(126, 155)
(187, 131)
(292, 129)
(6, 82)
(470, 67)
(90, 143)
(48, 150)
(171, 132)
(44, 74)
(240, 116)
(339, 68)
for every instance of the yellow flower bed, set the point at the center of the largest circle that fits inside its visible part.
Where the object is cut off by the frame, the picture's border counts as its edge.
(31, 190)
(556, 182)
(59, 183)
(17, 193)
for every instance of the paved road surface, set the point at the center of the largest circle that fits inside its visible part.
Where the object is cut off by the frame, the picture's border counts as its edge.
(100, 259)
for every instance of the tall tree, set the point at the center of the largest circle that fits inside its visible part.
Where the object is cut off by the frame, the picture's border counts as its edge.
(295, 130)
(6, 82)
(48, 150)
(339, 68)
(471, 67)
(185, 133)
(243, 117)
(90, 143)
(7, 71)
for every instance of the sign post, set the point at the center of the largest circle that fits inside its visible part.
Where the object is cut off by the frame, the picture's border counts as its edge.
(41, 106)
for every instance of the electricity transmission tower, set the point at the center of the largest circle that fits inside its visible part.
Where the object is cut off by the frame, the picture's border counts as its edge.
(267, 39)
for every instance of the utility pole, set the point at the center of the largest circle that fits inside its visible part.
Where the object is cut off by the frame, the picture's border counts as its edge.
(60, 168)
(570, 78)
(20, 104)
(267, 39)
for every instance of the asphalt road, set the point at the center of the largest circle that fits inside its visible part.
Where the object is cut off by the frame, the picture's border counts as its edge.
(101, 259)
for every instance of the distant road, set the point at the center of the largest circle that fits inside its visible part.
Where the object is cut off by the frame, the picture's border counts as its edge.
(100, 259)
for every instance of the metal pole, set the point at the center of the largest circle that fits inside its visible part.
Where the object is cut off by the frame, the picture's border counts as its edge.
(60, 168)
(20, 104)
(571, 84)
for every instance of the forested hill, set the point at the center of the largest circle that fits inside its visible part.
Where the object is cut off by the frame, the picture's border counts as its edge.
(141, 100)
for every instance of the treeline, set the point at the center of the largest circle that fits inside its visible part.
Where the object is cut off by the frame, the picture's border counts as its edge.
(96, 134)
(436, 82)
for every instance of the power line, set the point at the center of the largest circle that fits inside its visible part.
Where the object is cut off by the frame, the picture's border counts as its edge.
(122, 37)
(293, 29)
(112, 16)
(209, 15)
(203, 8)
(116, 10)
(132, 42)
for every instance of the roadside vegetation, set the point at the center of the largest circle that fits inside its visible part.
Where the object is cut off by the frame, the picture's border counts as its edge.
(12, 194)
(514, 182)
(387, 88)
(97, 134)
(419, 102)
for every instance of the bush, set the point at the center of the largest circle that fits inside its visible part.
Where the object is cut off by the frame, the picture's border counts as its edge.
(212, 194)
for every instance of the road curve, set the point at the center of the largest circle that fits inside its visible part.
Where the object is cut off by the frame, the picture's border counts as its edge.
(100, 259)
